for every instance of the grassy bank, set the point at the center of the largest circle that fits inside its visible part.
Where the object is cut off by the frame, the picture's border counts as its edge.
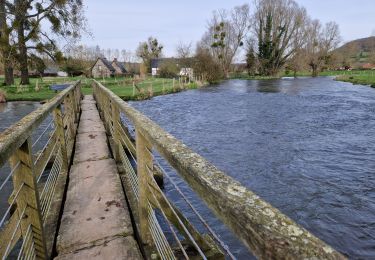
(38, 90)
(363, 79)
(144, 89)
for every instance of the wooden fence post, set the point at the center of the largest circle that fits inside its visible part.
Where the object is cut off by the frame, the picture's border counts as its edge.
(133, 88)
(173, 84)
(151, 90)
(144, 161)
(163, 86)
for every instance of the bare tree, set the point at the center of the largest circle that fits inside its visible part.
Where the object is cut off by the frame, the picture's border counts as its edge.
(116, 54)
(149, 50)
(184, 50)
(278, 29)
(321, 41)
(226, 33)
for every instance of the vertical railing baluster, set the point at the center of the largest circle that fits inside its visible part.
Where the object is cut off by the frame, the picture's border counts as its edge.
(69, 121)
(28, 200)
(60, 133)
(75, 105)
(116, 131)
(144, 160)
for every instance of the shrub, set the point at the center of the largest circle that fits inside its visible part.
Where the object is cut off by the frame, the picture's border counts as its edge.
(206, 66)
(168, 69)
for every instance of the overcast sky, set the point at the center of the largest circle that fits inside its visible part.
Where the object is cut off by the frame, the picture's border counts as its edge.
(122, 24)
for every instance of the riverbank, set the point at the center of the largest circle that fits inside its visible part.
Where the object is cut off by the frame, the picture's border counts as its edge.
(39, 90)
(148, 88)
(343, 74)
(368, 79)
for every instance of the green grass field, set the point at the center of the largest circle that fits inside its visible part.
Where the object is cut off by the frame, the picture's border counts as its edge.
(123, 87)
(364, 77)
(30, 93)
(360, 78)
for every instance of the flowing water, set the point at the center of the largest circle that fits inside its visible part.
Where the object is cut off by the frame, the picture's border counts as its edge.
(305, 145)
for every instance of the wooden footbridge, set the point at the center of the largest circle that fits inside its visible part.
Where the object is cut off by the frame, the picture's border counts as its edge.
(79, 182)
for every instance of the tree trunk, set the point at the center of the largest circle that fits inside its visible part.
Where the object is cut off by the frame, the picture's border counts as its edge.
(315, 71)
(22, 55)
(5, 47)
(8, 73)
(22, 58)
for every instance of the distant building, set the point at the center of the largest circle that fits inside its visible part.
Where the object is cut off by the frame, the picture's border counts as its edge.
(368, 66)
(102, 68)
(119, 67)
(182, 64)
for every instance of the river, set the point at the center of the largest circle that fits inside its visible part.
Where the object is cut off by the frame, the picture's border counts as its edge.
(305, 145)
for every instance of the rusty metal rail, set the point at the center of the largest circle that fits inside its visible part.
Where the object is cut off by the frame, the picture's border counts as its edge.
(37, 177)
(266, 232)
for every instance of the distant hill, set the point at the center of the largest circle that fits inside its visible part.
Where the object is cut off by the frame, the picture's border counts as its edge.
(357, 52)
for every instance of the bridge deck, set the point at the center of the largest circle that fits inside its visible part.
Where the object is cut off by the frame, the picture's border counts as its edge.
(95, 222)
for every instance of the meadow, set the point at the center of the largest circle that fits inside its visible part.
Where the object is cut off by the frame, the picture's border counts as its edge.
(39, 89)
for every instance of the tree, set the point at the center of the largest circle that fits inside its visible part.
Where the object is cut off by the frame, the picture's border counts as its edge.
(297, 62)
(7, 52)
(250, 59)
(206, 66)
(184, 50)
(184, 54)
(73, 67)
(149, 50)
(321, 41)
(37, 64)
(64, 18)
(279, 29)
(168, 69)
(227, 30)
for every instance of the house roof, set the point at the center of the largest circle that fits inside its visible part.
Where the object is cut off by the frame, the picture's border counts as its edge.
(155, 63)
(121, 65)
(106, 63)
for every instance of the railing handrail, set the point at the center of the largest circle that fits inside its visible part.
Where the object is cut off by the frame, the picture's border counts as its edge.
(38, 177)
(266, 231)
(14, 136)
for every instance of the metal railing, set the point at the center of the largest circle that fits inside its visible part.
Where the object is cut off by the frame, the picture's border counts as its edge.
(266, 232)
(36, 179)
